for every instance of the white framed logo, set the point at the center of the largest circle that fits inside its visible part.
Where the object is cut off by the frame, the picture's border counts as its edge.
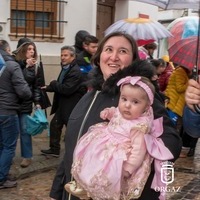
(167, 172)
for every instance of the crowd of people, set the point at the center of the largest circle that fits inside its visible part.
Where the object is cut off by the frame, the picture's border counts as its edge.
(114, 99)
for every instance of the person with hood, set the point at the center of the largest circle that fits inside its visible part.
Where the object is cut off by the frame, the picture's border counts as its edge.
(115, 52)
(79, 38)
(26, 56)
(67, 90)
(13, 87)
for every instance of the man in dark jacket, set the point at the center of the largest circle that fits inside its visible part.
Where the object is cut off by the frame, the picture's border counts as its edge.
(68, 90)
(12, 88)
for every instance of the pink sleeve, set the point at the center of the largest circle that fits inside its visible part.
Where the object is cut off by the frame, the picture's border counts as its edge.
(137, 153)
(111, 111)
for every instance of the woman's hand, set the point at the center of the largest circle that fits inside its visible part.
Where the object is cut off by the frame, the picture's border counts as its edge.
(192, 94)
(44, 87)
(30, 61)
(37, 106)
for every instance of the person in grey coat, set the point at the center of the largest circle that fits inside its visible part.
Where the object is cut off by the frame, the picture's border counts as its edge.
(12, 88)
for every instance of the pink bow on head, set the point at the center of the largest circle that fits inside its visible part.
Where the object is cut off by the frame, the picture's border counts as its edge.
(136, 80)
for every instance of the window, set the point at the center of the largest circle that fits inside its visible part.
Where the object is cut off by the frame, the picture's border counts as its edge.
(37, 18)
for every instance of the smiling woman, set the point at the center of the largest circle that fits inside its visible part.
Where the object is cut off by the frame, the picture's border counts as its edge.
(115, 57)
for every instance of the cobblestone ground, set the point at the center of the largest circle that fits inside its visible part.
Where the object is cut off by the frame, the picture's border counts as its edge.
(187, 178)
(34, 187)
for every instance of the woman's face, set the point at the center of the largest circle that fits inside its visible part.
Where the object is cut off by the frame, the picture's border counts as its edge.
(30, 51)
(116, 54)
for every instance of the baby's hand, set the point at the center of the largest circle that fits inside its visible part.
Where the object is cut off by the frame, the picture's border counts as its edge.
(104, 114)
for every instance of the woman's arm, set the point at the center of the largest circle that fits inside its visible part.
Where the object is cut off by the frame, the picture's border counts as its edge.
(170, 136)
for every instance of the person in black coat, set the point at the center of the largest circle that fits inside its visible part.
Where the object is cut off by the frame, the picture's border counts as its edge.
(68, 90)
(115, 51)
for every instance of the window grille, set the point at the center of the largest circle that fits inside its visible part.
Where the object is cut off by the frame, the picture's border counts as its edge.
(37, 18)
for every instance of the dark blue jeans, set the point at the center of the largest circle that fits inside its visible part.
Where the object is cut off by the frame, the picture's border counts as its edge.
(9, 130)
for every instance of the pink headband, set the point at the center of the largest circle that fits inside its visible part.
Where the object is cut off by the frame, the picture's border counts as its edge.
(136, 80)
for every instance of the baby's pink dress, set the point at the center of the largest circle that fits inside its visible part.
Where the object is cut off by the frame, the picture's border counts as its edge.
(109, 150)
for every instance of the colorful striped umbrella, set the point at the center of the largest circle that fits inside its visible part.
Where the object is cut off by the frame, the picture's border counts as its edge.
(183, 28)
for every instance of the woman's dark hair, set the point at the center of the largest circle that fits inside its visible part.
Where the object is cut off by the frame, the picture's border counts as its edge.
(96, 74)
(151, 46)
(155, 62)
(162, 62)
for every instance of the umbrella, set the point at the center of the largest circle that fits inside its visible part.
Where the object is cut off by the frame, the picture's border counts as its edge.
(37, 123)
(45, 102)
(143, 30)
(185, 30)
(182, 28)
(173, 4)
(184, 52)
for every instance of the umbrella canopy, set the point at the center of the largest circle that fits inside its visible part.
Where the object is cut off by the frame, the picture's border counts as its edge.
(143, 30)
(173, 4)
(182, 28)
(37, 123)
(44, 101)
(184, 52)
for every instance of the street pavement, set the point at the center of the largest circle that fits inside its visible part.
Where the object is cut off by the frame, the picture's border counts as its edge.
(186, 184)
(39, 162)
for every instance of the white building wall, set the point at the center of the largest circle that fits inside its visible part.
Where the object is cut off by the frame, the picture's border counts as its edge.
(131, 9)
(81, 15)
(136, 8)
(4, 22)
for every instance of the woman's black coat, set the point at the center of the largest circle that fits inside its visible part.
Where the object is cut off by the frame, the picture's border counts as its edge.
(32, 78)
